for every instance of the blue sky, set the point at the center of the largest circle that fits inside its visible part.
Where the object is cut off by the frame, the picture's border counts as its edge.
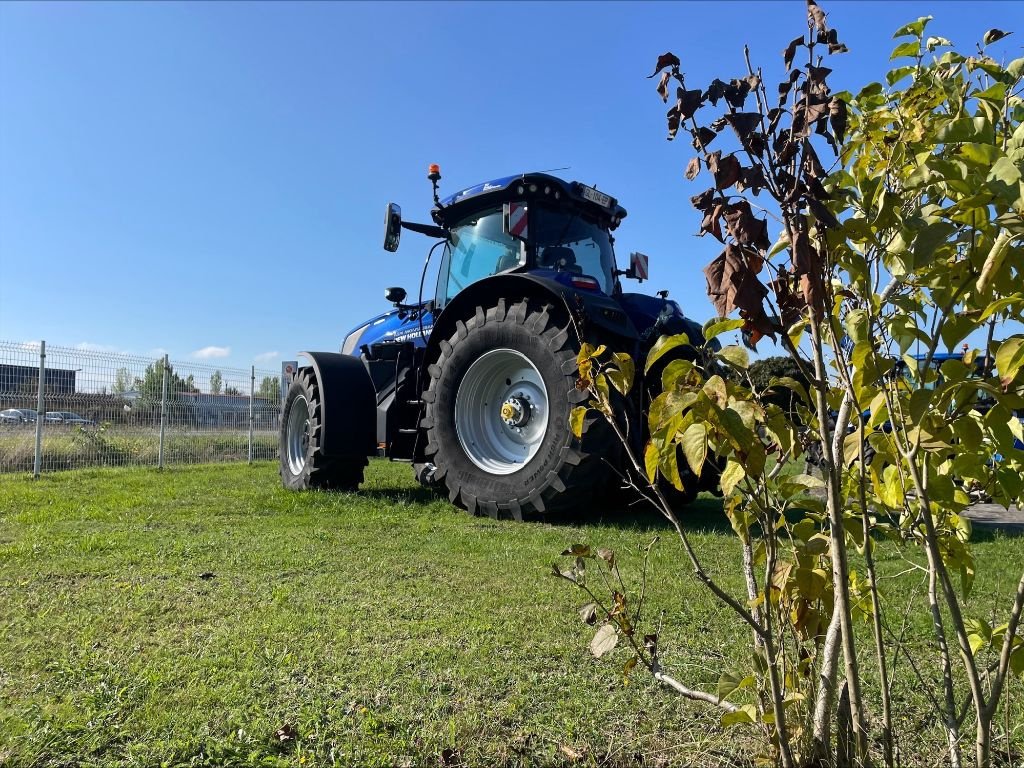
(200, 176)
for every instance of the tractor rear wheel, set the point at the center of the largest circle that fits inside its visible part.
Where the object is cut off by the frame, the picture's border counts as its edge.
(303, 463)
(497, 415)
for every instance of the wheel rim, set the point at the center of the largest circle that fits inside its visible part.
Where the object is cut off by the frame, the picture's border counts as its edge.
(297, 435)
(501, 411)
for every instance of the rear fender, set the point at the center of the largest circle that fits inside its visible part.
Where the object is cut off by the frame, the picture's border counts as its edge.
(348, 404)
(591, 311)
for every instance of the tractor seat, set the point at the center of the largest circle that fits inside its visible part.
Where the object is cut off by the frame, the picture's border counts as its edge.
(508, 260)
(559, 258)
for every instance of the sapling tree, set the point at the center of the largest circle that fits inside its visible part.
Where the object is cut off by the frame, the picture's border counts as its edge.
(897, 219)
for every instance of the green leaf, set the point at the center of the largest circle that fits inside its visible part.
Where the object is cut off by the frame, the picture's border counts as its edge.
(732, 475)
(1009, 359)
(1005, 180)
(729, 682)
(735, 356)
(720, 325)
(973, 129)
(905, 49)
(663, 345)
(695, 446)
(913, 28)
(576, 417)
(893, 76)
(745, 714)
(604, 640)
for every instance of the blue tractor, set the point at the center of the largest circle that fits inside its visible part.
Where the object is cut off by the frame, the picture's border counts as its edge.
(473, 385)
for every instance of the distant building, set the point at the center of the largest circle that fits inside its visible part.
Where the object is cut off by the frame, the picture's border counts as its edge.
(24, 379)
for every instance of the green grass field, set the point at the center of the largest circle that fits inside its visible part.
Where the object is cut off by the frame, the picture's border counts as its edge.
(385, 628)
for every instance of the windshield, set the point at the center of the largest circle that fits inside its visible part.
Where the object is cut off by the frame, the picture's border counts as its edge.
(477, 249)
(569, 241)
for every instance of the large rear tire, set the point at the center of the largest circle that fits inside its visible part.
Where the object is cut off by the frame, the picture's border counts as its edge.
(497, 415)
(303, 463)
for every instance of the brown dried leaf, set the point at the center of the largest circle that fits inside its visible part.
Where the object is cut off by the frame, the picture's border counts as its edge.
(736, 93)
(712, 222)
(688, 102)
(818, 74)
(663, 86)
(837, 118)
(692, 168)
(789, 150)
(789, 303)
(753, 179)
(812, 167)
(787, 85)
(774, 115)
(732, 284)
(285, 733)
(570, 753)
(702, 137)
(743, 123)
(790, 53)
(715, 91)
(746, 228)
(756, 143)
(704, 201)
(831, 37)
(665, 60)
(815, 16)
(672, 116)
(726, 169)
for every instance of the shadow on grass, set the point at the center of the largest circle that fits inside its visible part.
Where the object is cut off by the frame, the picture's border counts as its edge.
(705, 514)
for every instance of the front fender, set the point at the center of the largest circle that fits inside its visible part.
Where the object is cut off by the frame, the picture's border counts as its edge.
(348, 404)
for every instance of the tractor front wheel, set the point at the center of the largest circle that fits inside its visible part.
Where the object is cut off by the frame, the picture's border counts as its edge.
(303, 463)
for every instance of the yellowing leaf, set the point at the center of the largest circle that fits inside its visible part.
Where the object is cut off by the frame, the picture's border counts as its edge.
(576, 420)
(663, 345)
(732, 475)
(1009, 359)
(695, 446)
(735, 356)
(651, 455)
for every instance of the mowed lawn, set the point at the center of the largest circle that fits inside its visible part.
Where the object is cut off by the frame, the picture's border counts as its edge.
(184, 617)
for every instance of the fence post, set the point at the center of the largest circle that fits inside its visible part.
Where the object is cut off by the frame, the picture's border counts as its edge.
(252, 394)
(40, 413)
(163, 418)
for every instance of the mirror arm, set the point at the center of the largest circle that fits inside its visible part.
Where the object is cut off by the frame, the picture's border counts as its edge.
(426, 229)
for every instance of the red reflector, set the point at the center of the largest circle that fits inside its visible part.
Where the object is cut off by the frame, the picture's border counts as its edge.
(583, 281)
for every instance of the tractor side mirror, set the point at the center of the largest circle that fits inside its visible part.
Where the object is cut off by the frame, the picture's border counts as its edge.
(395, 295)
(392, 228)
(637, 266)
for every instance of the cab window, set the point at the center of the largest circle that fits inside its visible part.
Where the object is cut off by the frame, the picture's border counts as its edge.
(477, 248)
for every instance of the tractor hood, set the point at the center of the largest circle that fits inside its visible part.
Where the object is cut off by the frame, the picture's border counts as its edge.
(527, 186)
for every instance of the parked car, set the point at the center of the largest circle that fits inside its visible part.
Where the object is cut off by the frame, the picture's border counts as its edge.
(68, 419)
(18, 416)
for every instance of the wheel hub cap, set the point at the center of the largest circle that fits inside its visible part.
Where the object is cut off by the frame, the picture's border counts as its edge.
(515, 412)
(501, 411)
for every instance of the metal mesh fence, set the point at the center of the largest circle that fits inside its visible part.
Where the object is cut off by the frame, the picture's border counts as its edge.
(99, 409)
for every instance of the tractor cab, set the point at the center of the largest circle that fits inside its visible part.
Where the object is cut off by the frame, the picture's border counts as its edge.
(531, 223)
